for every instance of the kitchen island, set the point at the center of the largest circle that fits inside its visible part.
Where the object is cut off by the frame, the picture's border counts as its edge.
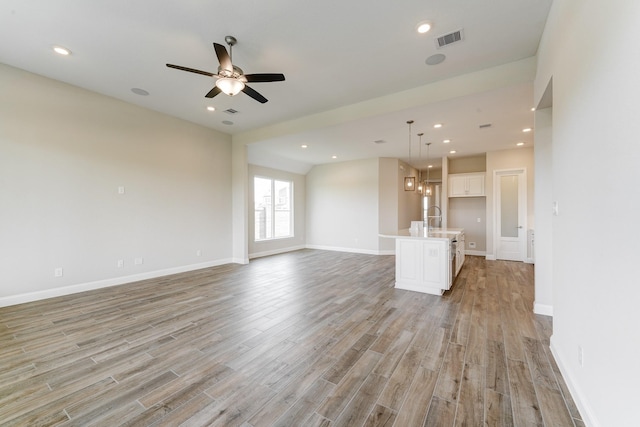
(426, 259)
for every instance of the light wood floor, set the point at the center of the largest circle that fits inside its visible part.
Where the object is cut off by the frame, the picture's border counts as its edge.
(308, 338)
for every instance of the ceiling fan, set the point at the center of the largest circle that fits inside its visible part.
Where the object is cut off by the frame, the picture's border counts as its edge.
(231, 80)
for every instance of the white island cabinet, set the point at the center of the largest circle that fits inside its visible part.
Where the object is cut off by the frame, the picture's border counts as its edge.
(424, 262)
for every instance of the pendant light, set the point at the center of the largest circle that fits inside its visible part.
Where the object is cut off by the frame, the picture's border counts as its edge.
(409, 181)
(427, 191)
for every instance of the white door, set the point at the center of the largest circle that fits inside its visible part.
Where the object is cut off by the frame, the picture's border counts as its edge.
(511, 209)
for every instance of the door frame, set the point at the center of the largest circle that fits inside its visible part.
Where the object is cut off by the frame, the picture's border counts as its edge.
(522, 208)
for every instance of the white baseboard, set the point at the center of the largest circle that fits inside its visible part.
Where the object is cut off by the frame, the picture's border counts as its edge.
(240, 260)
(275, 252)
(349, 250)
(98, 284)
(493, 258)
(474, 253)
(544, 309)
(578, 397)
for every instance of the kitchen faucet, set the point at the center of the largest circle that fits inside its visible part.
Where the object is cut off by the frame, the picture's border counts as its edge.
(439, 216)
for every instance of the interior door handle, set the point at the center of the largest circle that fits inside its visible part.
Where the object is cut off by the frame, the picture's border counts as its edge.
(519, 226)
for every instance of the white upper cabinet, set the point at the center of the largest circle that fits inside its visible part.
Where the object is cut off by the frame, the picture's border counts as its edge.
(466, 185)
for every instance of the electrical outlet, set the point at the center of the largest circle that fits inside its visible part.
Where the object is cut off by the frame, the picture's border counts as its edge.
(478, 220)
(472, 245)
(555, 209)
(198, 252)
(138, 261)
(580, 357)
(58, 272)
(121, 189)
(120, 263)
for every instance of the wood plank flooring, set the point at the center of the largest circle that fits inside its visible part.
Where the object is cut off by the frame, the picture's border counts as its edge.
(307, 338)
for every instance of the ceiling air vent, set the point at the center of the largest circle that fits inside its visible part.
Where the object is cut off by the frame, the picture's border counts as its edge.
(379, 141)
(484, 126)
(230, 111)
(450, 38)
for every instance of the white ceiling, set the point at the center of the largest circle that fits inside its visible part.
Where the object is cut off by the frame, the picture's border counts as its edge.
(334, 54)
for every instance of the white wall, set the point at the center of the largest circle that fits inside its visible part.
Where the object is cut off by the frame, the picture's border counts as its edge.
(269, 247)
(543, 247)
(508, 159)
(591, 51)
(64, 152)
(342, 206)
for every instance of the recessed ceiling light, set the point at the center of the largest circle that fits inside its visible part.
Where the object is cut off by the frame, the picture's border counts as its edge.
(61, 50)
(526, 130)
(304, 146)
(139, 91)
(446, 141)
(437, 125)
(430, 166)
(533, 108)
(520, 144)
(334, 157)
(452, 152)
(210, 108)
(423, 27)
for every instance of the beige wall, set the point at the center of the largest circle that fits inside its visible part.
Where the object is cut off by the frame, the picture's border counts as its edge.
(342, 206)
(504, 160)
(269, 247)
(387, 210)
(64, 153)
(409, 202)
(464, 212)
(468, 164)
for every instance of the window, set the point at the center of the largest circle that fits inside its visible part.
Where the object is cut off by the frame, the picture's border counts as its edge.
(273, 201)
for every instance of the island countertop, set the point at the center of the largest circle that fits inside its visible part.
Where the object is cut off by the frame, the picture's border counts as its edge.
(435, 233)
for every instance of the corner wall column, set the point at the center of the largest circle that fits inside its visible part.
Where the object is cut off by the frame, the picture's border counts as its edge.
(240, 202)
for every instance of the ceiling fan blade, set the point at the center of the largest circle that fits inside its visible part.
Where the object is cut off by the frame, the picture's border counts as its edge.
(213, 92)
(223, 57)
(254, 94)
(191, 70)
(264, 77)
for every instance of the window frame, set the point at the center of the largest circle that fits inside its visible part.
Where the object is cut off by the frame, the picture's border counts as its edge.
(273, 209)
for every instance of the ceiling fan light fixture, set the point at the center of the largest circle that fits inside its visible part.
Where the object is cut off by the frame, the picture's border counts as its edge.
(229, 86)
